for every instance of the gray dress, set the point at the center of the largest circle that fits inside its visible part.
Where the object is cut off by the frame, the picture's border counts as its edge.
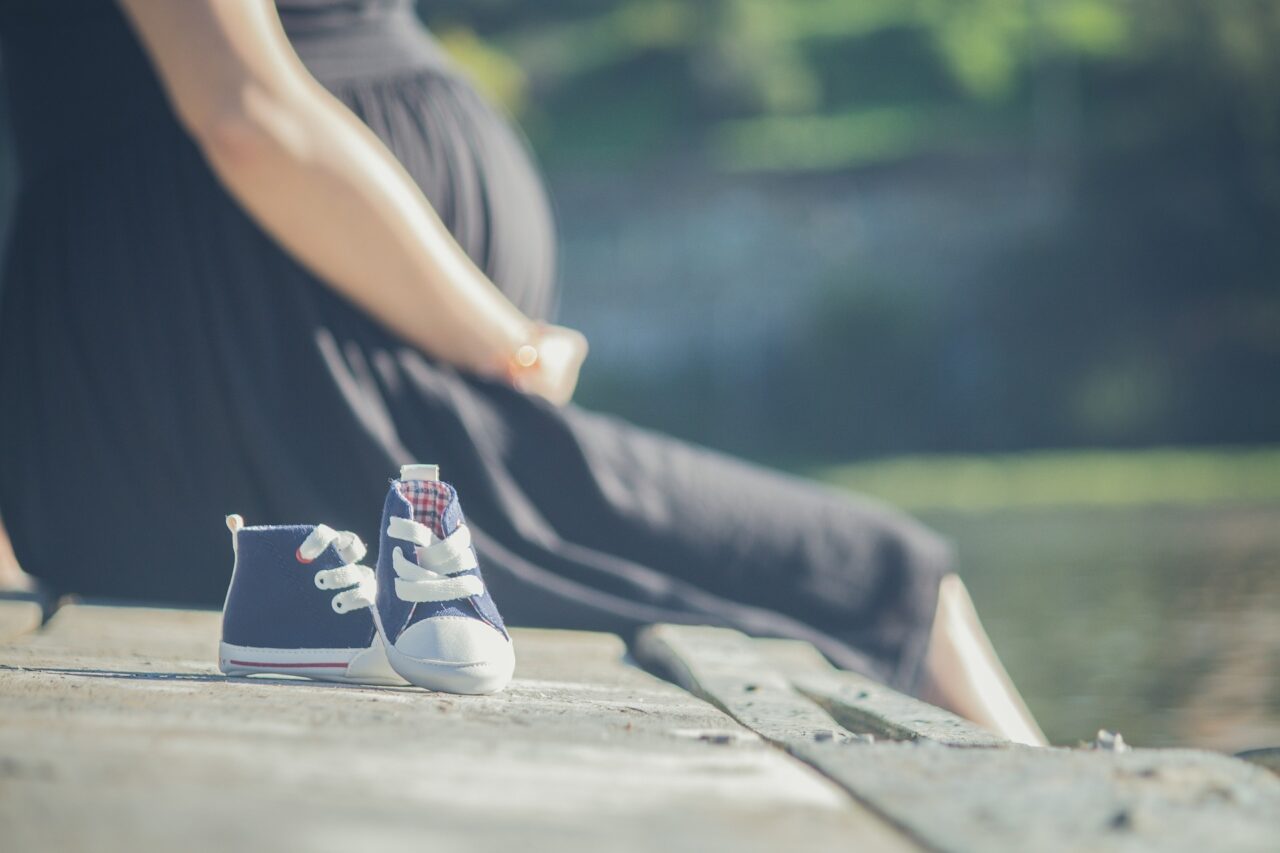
(163, 362)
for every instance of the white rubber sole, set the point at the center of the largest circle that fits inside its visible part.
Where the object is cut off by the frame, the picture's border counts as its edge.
(350, 666)
(466, 677)
(477, 678)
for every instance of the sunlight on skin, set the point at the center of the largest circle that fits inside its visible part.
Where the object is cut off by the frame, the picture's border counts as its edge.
(12, 577)
(964, 675)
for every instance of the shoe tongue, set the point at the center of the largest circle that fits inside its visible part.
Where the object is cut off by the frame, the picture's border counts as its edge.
(434, 504)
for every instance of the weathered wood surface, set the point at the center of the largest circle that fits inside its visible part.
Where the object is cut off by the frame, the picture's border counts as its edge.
(792, 658)
(118, 734)
(863, 706)
(984, 796)
(866, 707)
(724, 668)
(1061, 800)
(1268, 757)
(141, 639)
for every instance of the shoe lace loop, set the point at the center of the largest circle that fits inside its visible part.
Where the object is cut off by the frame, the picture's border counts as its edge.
(436, 574)
(356, 583)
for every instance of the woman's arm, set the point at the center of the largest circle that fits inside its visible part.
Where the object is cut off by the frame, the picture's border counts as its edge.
(315, 178)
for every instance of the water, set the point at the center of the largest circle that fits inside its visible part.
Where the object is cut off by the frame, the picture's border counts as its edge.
(1160, 622)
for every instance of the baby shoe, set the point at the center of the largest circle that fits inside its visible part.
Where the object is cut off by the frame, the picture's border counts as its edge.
(438, 622)
(300, 604)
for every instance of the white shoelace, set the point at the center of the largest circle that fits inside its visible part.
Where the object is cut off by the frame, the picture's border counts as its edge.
(356, 582)
(435, 575)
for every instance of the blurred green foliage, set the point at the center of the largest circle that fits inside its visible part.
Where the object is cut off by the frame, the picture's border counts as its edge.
(768, 75)
(1144, 310)
(1168, 477)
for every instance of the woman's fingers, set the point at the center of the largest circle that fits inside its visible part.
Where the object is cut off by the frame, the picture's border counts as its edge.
(554, 375)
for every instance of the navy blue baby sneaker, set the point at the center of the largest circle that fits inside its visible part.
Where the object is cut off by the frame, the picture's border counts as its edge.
(437, 620)
(300, 603)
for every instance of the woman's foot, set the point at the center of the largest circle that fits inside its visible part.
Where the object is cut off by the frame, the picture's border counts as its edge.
(12, 577)
(964, 675)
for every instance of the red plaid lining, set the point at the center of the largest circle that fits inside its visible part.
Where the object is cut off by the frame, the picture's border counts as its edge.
(429, 499)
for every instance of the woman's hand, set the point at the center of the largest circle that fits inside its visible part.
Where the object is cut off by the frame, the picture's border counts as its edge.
(549, 365)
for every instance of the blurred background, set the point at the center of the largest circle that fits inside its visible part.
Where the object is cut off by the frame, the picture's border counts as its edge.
(977, 257)
(1013, 265)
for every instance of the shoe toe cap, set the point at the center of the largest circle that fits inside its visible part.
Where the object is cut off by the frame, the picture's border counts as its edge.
(457, 654)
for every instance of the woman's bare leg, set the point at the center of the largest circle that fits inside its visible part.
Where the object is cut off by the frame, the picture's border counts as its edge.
(964, 675)
(12, 577)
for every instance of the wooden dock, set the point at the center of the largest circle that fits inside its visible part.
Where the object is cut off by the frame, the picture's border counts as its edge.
(117, 733)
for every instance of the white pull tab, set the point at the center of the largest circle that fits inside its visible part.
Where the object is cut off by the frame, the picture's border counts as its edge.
(427, 473)
(235, 524)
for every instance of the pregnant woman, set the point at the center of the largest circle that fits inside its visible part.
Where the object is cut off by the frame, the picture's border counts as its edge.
(264, 253)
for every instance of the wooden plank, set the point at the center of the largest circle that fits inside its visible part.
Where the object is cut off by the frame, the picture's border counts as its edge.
(1060, 800)
(864, 706)
(723, 667)
(141, 638)
(867, 707)
(792, 658)
(117, 739)
(977, 799)
(1268, 758)
(18, 617)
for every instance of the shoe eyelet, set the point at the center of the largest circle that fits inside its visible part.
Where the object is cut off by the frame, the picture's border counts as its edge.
(337, 607)
(320, 582)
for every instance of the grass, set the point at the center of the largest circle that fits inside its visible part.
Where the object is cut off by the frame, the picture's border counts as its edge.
(1157, 477)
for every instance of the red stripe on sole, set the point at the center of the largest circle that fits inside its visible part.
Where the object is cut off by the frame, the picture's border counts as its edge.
(288, 665)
